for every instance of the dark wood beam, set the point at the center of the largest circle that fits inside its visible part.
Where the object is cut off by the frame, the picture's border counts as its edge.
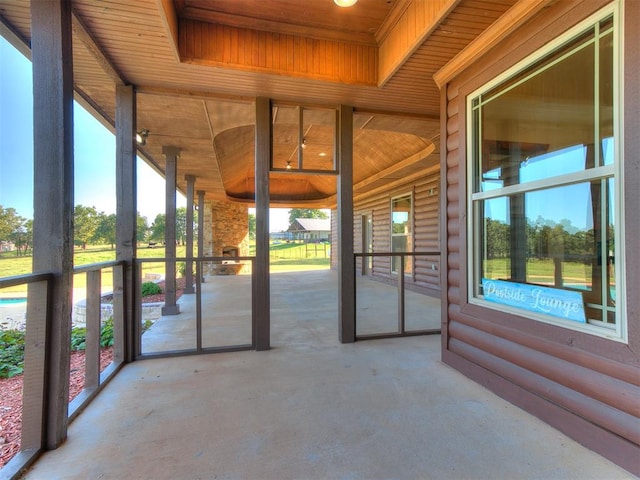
(52, 58)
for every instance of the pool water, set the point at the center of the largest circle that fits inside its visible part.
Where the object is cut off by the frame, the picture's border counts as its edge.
(12, 301)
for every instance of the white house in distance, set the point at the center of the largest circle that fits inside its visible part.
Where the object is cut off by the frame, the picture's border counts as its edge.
(310, 229)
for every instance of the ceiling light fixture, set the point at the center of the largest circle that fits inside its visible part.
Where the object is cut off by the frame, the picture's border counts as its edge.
(288, 167)
(345, 3)
(141, 137)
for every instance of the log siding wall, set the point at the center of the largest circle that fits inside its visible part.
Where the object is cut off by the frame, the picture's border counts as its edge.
(586, 386)
(426, 233)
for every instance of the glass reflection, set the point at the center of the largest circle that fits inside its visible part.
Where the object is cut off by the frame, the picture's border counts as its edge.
(559, 237)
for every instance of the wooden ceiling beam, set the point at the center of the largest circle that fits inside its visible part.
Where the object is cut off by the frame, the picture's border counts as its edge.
(251, 50)
(264, 25)
(500, 29)
(82, 33)
(407, 162)
(418, 20)
(169, 18)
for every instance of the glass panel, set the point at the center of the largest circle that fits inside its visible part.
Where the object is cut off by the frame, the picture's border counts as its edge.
(376, 307)
(551, 121)
(399, 243)
(543, 126)
(606, 96)
(318, 141)
(285, 137)
(400, 218)
(304, 138)
(401, 228)
(541, 238)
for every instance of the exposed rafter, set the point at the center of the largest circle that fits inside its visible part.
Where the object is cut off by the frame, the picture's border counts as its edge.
(82, 33)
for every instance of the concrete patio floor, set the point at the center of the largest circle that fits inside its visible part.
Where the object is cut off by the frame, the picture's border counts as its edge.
(311, 408)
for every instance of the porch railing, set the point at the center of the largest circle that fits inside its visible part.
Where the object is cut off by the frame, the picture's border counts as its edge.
(398, 259)
(201, 264)
(36, 352)
(96, 376)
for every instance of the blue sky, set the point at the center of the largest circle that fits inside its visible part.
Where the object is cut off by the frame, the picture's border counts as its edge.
(94, 153)
(94, 150)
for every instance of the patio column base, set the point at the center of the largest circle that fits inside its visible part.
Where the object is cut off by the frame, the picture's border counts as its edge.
(170, 310)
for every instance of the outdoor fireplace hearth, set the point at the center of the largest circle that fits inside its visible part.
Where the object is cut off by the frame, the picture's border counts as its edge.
(228, 267)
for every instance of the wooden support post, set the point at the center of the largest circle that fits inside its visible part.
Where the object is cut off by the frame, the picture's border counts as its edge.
(92, 340)
(188, 276)
(170, 307)
(262, 166)
(201, 231)
(124, 321)
(346, 260)
(53, 194)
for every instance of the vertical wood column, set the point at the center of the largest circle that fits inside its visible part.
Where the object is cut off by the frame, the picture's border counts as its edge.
(171, 156)
(201, 230)
(346, 260)
(262, 301)
(126, 225)
(188, 276)
(53, 194)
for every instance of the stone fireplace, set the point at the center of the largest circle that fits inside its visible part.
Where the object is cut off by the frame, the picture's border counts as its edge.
(230, 236)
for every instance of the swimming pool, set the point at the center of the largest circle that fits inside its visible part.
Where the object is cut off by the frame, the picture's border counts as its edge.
(12, 301)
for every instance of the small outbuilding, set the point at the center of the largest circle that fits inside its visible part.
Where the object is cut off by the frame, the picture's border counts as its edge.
(311, 229)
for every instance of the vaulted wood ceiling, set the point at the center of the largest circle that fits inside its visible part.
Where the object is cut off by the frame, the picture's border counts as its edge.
(197, 66)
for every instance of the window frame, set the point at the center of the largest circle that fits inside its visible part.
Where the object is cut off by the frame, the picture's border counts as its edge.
(614, 171)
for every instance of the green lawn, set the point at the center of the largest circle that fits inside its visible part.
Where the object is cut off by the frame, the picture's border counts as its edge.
(10, 265)
(284, 257)
(541, 271)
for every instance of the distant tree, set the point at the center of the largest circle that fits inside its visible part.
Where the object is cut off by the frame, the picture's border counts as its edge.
(10, 222)
(86, 221)
(157, 228)
(181, 225)
(306, 213)
(24, 238)
(106, 231)
(252, 226)
(142, 228)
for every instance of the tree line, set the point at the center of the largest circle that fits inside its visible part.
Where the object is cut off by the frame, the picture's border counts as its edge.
(546, 239)
(91, 227)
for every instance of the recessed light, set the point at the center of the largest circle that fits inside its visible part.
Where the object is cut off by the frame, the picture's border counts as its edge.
(345, 3)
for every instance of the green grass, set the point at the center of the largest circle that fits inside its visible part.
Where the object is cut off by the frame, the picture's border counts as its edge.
(299, 251)
(284, 257)
(10, 265)
(541, 271)
(299, 265)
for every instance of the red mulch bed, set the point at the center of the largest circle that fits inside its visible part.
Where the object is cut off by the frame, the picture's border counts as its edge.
(11, 402)
(11, 388)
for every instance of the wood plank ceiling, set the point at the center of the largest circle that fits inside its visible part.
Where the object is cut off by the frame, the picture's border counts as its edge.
(197, 66)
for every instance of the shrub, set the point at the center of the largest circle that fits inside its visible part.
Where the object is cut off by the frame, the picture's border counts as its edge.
(106, 334)
(11, 353)
(12, 346)
(78, 338)
(150, 288)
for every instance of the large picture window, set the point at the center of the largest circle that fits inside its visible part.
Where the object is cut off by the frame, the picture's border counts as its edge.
(402, 231)
(544, 191)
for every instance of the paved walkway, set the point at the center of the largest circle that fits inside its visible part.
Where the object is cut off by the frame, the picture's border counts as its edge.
(311, 408)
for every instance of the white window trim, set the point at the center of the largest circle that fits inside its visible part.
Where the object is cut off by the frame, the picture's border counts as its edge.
(619, 333)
